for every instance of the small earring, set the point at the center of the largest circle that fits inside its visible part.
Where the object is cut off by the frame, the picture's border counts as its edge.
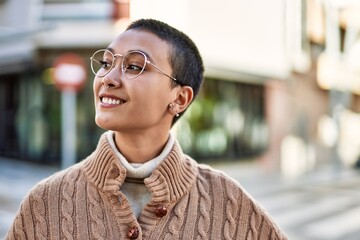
(171, 106)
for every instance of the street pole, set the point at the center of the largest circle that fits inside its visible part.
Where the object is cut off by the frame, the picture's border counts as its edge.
(68, 128)
(70, 76)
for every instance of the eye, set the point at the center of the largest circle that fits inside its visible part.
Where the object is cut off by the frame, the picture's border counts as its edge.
(133, 68)
(105, 64)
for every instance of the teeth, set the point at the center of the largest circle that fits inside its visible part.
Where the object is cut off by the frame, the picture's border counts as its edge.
(111, 101)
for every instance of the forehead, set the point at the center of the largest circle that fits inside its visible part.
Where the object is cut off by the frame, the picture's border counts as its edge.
(145, 41)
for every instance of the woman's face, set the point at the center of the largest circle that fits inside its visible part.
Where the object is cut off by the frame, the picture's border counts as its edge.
(141, 103)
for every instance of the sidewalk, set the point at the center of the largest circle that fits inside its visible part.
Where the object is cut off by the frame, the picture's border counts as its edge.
(258, 182)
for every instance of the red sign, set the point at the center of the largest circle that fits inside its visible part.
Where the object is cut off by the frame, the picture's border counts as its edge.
(70, 72)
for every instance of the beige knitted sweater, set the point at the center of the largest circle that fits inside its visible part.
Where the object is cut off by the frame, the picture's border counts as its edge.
(189, 201)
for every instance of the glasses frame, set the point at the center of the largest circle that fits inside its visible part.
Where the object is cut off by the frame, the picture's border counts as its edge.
(113, 64)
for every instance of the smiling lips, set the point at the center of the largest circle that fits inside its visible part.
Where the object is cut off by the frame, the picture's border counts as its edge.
(111, 100)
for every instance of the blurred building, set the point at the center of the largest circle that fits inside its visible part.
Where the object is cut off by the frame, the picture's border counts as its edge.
(281, 76)
(33, 34)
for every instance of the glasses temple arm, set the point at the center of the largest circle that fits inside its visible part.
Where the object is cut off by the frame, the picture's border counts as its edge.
(161, 71)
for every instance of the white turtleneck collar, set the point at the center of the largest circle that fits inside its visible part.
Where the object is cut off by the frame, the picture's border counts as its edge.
(140, 170)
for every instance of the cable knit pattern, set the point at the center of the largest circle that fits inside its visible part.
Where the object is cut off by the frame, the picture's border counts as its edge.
(67, 205)
(252, 234)
(205, 203)
(231, 213)
(39, 211)
(176, 221)
(96, 214)
(18, 228)
(188, 201)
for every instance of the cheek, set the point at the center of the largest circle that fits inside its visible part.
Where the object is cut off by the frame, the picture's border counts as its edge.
(157, 102)
(96, 87)
(151, 96)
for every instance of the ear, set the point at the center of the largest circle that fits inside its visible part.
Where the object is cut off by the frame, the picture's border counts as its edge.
(184, 97)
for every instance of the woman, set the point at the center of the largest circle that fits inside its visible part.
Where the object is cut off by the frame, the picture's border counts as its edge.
(138, 184)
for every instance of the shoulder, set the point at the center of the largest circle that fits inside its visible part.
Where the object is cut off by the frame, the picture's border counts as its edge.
(224, 185)
(48, 192)
(67, 176)
(210, 173)
(43, 200)
(217, 180)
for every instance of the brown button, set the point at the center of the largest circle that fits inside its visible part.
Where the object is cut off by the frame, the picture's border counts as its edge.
(133, 232)
(161, 211)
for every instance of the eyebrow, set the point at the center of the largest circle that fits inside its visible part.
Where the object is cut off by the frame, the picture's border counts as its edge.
(110, 49)
(147, 54)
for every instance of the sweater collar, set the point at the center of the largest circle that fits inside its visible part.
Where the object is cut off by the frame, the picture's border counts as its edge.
(169, 181)
(142, 170)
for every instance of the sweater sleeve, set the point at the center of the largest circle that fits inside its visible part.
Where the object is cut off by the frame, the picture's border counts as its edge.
(30, 215)
(240, 214)
(262, 226)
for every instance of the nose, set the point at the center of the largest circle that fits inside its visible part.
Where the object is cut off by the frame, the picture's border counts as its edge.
(113, 78)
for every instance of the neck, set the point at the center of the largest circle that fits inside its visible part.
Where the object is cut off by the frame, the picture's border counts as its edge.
(140, 148)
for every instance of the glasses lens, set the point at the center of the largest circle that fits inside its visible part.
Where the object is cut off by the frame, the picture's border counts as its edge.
(133, 64)
(101, 62)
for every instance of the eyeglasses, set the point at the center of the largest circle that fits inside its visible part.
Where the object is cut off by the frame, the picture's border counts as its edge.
(133, 63)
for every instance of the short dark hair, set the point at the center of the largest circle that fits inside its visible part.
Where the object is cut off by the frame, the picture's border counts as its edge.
(184, 56)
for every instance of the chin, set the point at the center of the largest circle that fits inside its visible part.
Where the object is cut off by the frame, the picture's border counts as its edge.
(106, 124)
(102, 123)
